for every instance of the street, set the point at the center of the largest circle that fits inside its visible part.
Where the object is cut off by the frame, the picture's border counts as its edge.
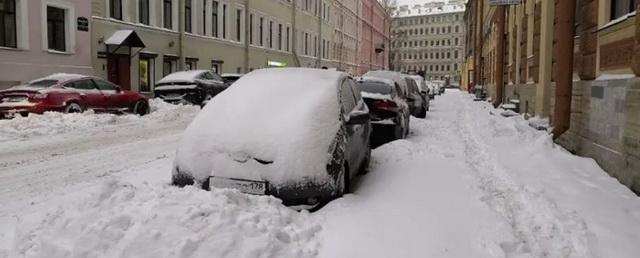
(467, 182)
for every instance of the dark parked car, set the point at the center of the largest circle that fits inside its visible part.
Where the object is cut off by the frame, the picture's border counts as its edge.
(230, 78)
(424, 89)
(69, 93)
(417, 103)
(389, 111)
(295, 133)
(195, 87)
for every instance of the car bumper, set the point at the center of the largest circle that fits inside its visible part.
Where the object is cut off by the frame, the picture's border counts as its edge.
(296, 194)
(7, 110)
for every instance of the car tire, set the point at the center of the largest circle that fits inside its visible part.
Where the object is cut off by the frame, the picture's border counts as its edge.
(73, 107)
(140, 108)
(423, 113)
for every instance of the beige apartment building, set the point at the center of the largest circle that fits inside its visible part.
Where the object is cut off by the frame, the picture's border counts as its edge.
(429, 37)
(137, 42)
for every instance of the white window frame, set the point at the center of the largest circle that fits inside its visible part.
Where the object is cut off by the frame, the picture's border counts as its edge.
(22, 25)
(69, 19)
(243, 22)
(152, 13)
(125, 11)
(174, 15)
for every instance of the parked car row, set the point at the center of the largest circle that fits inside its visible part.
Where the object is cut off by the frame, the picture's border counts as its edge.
(75, 93)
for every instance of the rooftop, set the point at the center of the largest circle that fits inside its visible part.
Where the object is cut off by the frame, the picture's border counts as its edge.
(427, 7)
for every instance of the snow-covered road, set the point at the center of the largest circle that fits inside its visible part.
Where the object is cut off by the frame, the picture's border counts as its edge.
(466, 183)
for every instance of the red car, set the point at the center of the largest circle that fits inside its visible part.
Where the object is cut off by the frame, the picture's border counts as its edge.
(70, 93)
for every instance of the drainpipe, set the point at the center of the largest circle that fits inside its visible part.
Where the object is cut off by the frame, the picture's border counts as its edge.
(500, 56)
(181, 40)
(478, 43)
(246, 35)
(565, 15)
(294, 35)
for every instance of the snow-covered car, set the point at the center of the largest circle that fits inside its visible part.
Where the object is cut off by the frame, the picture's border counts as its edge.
(295, 133)
(424, 89)
(389, 113)
(69, 93)
(195, 87)
(417, 102)
(230, 78)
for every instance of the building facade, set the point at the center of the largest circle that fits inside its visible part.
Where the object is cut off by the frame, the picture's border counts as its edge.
(373, 36)
(227, 36)
(429, 37)
(40, 37)
(582, 76)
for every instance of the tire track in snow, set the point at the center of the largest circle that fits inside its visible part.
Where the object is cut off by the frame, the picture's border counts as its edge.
(541, 228)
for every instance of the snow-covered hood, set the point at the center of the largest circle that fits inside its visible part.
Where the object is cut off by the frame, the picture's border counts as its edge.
(275, 125)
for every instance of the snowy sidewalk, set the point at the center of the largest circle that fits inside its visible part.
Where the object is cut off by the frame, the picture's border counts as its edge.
(464, 184)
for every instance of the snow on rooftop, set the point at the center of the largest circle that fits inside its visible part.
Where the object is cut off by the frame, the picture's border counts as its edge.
(421, 8)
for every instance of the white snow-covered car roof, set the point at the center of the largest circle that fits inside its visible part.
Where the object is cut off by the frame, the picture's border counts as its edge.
(60, 77)
(287, 116)
(391, 75)
(181, 76)
(232, 75)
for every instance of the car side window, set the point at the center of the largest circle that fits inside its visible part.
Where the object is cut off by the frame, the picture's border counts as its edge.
(208, 76)
(356, 91)
(82, 85)
(399, 90)
(346, 97)
(103, 85)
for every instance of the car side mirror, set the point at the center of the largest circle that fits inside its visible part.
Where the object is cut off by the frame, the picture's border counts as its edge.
(118, 89)
(358, 117)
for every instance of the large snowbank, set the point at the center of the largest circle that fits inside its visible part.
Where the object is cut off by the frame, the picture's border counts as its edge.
(287, 116)
(52, 123)
(138, 220)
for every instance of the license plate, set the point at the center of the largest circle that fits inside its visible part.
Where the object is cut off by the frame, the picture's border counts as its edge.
(243, 185)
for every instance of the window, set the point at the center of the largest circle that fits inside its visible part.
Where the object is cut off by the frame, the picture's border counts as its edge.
(143, 11)
(287, 44)
(270, 34)
(214, 18)
(145, 74)
(104, 85)
(56, 29)
(191, 64)
(167, 14)
(261, 30)
(306, 43)
(115, 10)
(279, 36)
(251, 29)
(8, 27)
(224, 21)
(622, 7)
(204, 15)
(347, 99)
(168, 65)
(187, 16)
(81, 85)
(238, 25)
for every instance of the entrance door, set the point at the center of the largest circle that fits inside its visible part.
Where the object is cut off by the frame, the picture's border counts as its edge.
(119, 67)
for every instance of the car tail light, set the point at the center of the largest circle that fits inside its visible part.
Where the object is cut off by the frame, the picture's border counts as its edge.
(385, 105)
(37, 96)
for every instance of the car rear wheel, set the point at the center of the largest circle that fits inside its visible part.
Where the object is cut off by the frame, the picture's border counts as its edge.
(140, 108)
(73, 108)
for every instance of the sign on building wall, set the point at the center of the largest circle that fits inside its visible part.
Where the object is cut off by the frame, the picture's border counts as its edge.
(504, 2)
(83, 24)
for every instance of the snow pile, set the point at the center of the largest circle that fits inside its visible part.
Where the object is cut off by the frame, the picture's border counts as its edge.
(289, 117)
(370, 95)
(123, 220)
(53, 123)
(560, 205)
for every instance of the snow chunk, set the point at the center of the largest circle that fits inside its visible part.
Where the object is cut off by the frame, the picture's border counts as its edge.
(606, 77)
(296, 111)
(54, 123)
(125, 220)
